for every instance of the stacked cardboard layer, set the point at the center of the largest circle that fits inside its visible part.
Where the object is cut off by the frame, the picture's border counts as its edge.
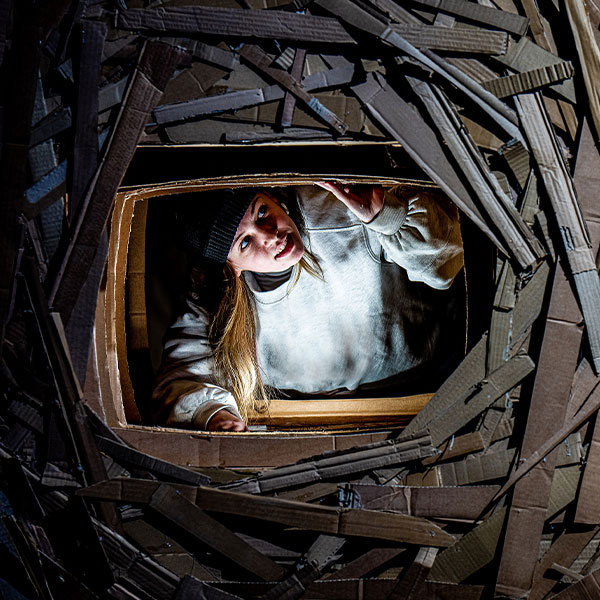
(491, 490)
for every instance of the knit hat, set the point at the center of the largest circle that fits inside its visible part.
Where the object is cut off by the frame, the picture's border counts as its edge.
(205, 223)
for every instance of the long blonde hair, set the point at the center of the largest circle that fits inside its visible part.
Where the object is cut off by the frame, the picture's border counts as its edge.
(233, 335)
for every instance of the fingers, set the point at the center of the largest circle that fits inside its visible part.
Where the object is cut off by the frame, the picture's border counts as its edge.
(225, 421)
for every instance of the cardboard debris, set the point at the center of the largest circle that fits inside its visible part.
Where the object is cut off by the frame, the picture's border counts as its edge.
(489, 490)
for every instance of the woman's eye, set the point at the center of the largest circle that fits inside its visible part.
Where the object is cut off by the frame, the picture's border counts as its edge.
(262, 212)
(245, 243)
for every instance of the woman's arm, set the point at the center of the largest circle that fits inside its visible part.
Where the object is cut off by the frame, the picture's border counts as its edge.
(185, 392)
(418, 229)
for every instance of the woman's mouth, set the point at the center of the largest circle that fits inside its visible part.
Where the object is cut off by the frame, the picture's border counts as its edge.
(285, 248)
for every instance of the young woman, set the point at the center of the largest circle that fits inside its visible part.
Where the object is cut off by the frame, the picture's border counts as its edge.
(337, 290)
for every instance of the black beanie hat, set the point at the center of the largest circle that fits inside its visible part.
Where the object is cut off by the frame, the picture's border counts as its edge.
(206, 223)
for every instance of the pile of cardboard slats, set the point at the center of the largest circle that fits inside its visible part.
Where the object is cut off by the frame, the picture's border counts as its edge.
(492, 489)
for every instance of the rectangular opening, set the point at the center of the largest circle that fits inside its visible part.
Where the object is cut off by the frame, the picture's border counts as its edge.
(132, 347)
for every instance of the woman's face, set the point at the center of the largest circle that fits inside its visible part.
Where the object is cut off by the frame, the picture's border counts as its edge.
(266, 240)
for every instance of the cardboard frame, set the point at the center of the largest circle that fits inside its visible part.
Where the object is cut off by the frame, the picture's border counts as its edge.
(205, 449)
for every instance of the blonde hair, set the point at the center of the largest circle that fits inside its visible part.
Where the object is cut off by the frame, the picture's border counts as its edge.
(233, 335)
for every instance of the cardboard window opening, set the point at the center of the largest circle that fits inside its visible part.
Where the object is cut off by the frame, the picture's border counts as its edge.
(123, 311)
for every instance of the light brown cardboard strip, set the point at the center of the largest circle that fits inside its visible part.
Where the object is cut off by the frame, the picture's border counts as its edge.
(355, 16)
(525, 55)
(326, 519)
(183, 513)
(470, 372)
(261, 61)
(472, 552)
(526, 249)
(529, 80)
(479, 397)
(407, 126)
(482, 14)
(476, 468)
(235, 22)
(339, 464)
(453, 40)
(429, 502)
(589, 55)
(575, 237)
(170, 113)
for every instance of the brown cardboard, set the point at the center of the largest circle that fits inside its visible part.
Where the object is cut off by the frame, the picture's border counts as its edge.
(469, 554)
(470, 372)
(492, 464)
(235, 100)
(529, 80)
(130, 456)
(412, 582)
(261, 61)
(429, 502)
(234, 22)
(588, 587)
(525, 247)
(366, 563)
(452, 40)
(589, 55)
(483, 14)
(564, 550)
(342, 463)
(575, 237)
(548, 407)
(525, 55)
(156, 65)
(330, 520)
(183, 513)
(477, 398)
(289, 102)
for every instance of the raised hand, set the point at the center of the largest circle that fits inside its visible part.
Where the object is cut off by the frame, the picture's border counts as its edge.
(365, 201)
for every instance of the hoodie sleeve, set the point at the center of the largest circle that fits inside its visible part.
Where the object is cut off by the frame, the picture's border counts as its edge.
(185, 392)
(420, 231)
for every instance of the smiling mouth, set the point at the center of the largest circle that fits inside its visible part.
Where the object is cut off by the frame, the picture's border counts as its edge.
(285, 248)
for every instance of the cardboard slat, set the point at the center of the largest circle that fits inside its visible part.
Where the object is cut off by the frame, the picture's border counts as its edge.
(84, 158)
(412, 581)
(130, 456)
(476, 399)
(408, 127)
(325, 519)
(453, 40)
(515, 233)
(428, 502)
(289, 102)
(156, 65)
(485, 15)
(472, 552)
(170, 113)
(183, 513)
(525, 56)
(547, 409)
(261, 61)
(529, 80)
(341, 464)
(277, 25)
(574, 235)
(589, 55)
